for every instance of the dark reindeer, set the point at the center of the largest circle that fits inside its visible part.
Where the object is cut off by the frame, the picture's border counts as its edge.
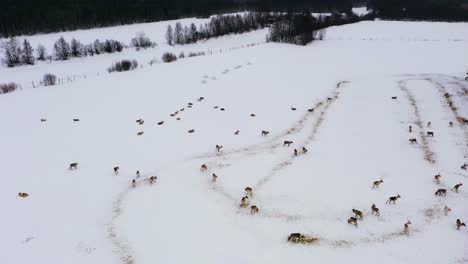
(353, 220)
(265, 133)
(459, 224)
(437, 179)
(116, 170)
(455, 188)
(73, 166)
(253, 209)
(393, 199)
(430, 134)
(203, 168)
(413, 141)
(406, 228)
(376, 184)
(358, 214)
(375, 210)
(287, 143)
(219, 148)
(441, 192)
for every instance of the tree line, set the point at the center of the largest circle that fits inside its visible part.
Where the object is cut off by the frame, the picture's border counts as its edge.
(217, 26)
(27, 17)
(303, 28)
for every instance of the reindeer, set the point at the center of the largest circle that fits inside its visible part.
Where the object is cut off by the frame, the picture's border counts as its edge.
(248, 191)
(310, 110)
(413, 141)
(43, 120)
(450, 124)
(152, 179)
(293, 108)
(406, 228)
(219, 148)
(190, 104)
(329, 99)
(375, 210)
(393, 199)
(295, 152)
(76, 120)
(410, 128)
(203, 168)
(437, 179)
(376, 184)
(353, 220)
(191, 131)
(160, 123)
(464, 166)
(138, 174)
(358, 214)
(139, 120)
(304, 150)
(182, 109)
(215, 177)
(237, 132)
(244, 202)
(447, 210)
(265, 133)
(394, 97)
(455, 188)
(200, 99)
(253, 209)
(178, 118)
(22, 194)
(430, 134)
(133, 183)
(216, 107)
(73, 166)
(441, 192)
(429, 124)
(140, 133)
(287, 143)
(460, 224)
(252, 115)
(222, 109)
(116, 170)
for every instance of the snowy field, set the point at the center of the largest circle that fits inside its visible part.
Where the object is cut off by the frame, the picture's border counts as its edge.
(358, 136)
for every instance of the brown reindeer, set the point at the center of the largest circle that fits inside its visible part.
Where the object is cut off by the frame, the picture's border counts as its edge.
(253, 209)
(464, 166)
(455, 188)
(459, 224)
(358, 214)
(265, 133)
(244, 202)
(219, 148)
(413, 141)
(410, 128)
(437, 179)
(447, 210)
(248, 191)
(353, 220)
(222, 109)
(376, 184)
(236, 133)
(160, 123)
(76, 120)
(140, 133)
(116, 170)
(310, 110)
(139, 120)
(178, 118)
(190, 104)
(293, 108)
(441, 192)
(393, 199)
(191, 131)
(182, 109)
(252, 115)
(43, 120)
(215, 177)
(375, 210)
(406, 228)
(133, 183)
(203, 168)
(394, 97)
(295, 237)
(73, 166)
(429, 124)
(287, 143)
(329, 99)
(22, 194)
(430, 134)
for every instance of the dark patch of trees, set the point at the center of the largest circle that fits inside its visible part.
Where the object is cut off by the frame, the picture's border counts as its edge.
(123, 65)
(433, 10)
(49, 79)
(16, 53)
(141, 41)
(18, 17)
(169, 57)
(217, 26)
(303, 28)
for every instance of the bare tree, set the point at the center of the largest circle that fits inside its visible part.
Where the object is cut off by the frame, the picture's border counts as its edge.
(178, 33)
(142, 41)
(27, 56)
(49, 79)
(41, 52)
(76, 48)
(170, 35)
(11, 52)
(62, 49)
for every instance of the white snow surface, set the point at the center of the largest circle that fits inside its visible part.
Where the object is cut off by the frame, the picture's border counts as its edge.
(360, 135)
